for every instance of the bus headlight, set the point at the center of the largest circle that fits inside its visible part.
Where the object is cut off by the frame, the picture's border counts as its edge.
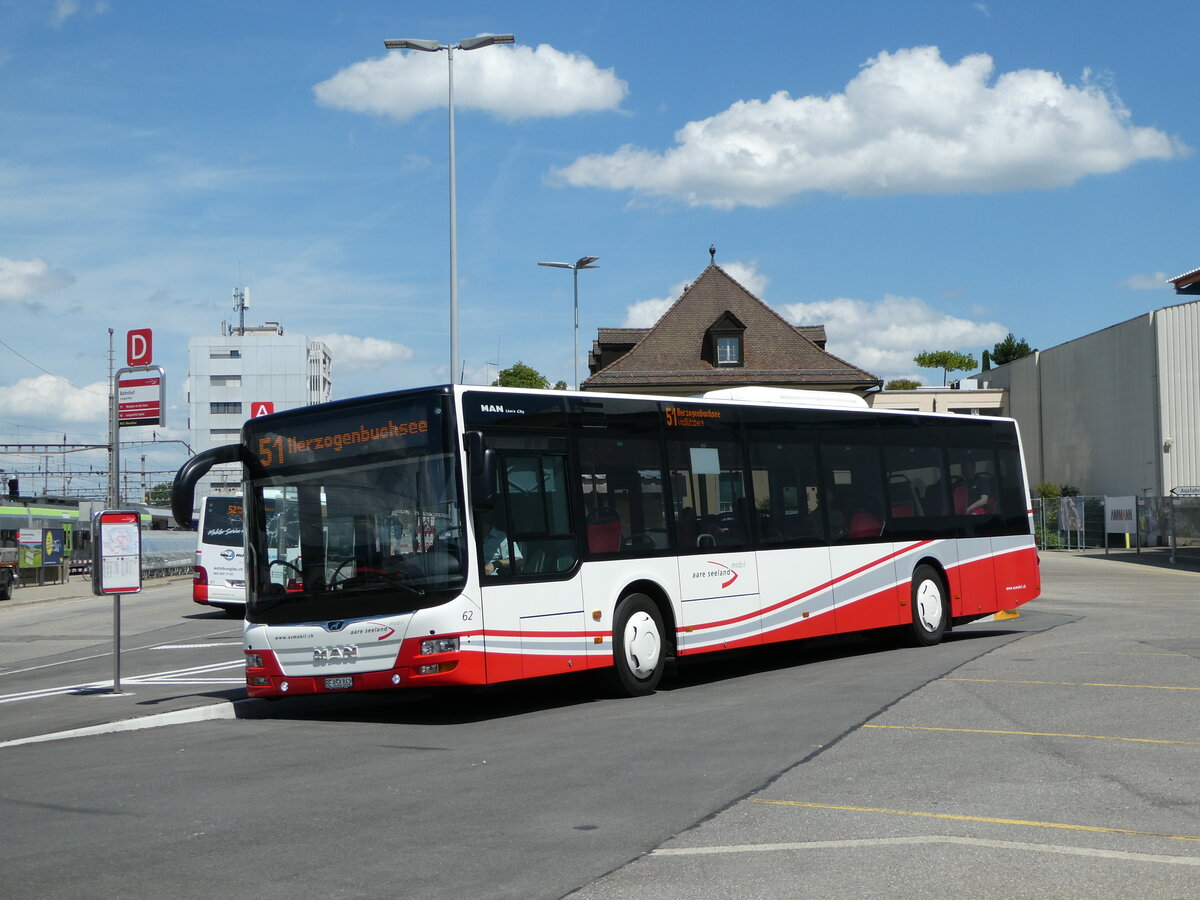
(439, 645)
(253, 661)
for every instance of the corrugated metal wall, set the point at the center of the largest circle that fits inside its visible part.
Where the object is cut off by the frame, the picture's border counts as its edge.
(1177, 329)
(1089, 409)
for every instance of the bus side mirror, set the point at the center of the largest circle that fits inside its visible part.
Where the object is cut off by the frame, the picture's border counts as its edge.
(183, 491)
(481, 463)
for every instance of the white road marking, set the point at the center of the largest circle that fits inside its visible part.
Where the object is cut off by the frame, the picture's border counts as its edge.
(174, 676)
(1156, 858)
(179, 717)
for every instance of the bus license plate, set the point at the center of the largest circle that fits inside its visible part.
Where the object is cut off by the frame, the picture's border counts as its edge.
(339, 683)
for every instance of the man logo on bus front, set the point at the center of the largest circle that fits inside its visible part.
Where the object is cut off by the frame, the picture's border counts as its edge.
(336, 626)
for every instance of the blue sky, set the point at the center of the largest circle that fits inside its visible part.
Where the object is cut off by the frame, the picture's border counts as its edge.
(913, 176)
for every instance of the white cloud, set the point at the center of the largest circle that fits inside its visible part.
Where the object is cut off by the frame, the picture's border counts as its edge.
(883, 337)
(24, 279)
(508, 82)
(361, 354)
(909, 122)
(47, 397)
(645, 313)
(748, 276)
(67, 9)
(1159, 281)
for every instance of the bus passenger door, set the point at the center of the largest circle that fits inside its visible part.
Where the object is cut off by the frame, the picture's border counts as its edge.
(526, 556)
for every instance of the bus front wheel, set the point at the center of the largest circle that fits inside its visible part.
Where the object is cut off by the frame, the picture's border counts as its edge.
(639, 652)
(929, 608)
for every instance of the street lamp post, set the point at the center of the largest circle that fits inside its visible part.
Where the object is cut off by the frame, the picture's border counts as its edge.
(484, 40)
(584, 262)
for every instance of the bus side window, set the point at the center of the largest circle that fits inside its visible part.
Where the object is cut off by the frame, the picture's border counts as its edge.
(624, 510)
(786, 482)
(855, 491)
(707, 478)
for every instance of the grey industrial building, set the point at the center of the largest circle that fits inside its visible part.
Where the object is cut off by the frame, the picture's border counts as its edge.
(1115, 412)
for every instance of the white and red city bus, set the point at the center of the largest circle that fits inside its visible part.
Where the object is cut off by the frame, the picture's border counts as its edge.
(219, 574)
(463, 535)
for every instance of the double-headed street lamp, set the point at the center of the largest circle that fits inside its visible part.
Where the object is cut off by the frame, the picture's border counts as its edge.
(484, 40)
(584, 262)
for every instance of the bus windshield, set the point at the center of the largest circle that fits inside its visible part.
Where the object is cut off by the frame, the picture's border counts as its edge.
(358, 516)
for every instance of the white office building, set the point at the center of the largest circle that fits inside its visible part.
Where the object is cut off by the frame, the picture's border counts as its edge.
(244, 373)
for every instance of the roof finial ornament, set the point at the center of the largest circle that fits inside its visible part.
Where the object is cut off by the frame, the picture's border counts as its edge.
(712, 254)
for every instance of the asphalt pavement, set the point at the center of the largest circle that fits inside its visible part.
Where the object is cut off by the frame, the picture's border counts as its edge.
(1063, 762)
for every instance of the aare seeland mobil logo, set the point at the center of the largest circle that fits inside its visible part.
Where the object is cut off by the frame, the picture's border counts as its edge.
(727, 573)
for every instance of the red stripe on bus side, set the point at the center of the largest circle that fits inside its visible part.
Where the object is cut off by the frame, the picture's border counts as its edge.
(815, 590)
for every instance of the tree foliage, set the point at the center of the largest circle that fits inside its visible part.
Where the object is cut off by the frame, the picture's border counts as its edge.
(520, 375)
(946, 360)
(1048, 490)
(902, 384)
(1011, 349)
(159, 494)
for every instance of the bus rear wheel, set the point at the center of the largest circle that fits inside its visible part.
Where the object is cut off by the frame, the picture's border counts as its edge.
(639, 653)
(929, 608)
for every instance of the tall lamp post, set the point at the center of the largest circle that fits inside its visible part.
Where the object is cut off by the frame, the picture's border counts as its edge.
(484, 40)
(584, 262)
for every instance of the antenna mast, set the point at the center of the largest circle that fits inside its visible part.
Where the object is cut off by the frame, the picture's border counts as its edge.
(241, 302)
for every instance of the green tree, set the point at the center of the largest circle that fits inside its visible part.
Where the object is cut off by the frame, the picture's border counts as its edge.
(521, 376)
(1010, 349)
(946, 360)
(1048, 490)
(159, 494)
(560, 385)
(902, 384)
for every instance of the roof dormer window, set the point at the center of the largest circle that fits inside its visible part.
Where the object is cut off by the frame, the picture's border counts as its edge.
(729, 350)
(723, 342)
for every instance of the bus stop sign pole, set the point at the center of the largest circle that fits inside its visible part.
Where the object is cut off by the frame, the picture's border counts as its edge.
(116, 567)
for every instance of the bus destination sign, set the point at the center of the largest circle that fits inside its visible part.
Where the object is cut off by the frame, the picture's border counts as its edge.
(690, 416)
(312, 441)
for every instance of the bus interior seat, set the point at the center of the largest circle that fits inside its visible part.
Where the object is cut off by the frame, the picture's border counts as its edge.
(865, 525)
(604, 531)
(903, 497)
(958, 490)
(933, 500)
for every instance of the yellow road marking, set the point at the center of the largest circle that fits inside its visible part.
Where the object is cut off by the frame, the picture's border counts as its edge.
(1094, 737)
(1145, 687)
(985, 819)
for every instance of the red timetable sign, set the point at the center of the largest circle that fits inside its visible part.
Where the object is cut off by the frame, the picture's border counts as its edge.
(140, 397)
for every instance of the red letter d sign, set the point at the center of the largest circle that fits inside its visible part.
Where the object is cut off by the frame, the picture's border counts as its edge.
(139, 347)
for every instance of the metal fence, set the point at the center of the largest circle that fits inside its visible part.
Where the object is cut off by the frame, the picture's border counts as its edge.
(1161, 525)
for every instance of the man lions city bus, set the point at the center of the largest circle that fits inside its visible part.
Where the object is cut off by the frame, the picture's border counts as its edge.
(464, 535)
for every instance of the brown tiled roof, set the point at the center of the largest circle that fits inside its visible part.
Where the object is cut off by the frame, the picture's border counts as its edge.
(774, 352)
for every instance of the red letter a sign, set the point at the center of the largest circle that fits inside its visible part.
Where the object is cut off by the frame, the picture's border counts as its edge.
(261, 408)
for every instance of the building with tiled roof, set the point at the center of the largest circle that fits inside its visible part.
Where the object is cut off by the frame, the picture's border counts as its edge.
(719, 335)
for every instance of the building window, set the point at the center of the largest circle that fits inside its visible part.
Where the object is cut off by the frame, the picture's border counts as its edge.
(225, 354)
(224, 380)
(225, 408)
(729, 350)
